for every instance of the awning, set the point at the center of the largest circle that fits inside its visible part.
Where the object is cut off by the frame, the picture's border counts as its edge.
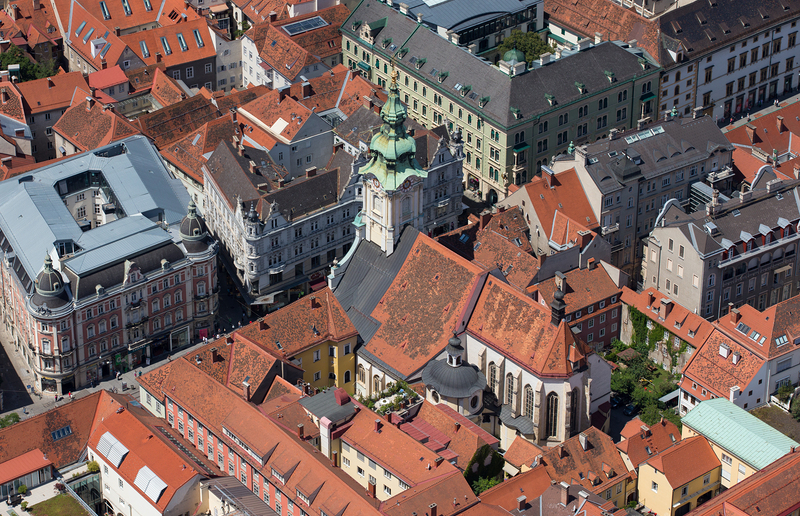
(23, 465)
(521, 147)
(221, 8)
(364, 66)
(647, 96)
(317, 281)
(669, 397)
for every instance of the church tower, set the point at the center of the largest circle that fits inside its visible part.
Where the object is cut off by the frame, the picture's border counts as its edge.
(393, 178)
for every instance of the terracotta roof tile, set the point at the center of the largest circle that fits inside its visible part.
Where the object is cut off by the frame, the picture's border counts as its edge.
(510, 223)
(636, 440)
(107, 78)
(596, 468)
(423, 306)
(763, 132)
(679, 321)
(718, 374)
(450, 493)
(291, 330)
(284, 116)
(72, 16)
(51, 93)
(14, 105)
(774, 322)
(532, 484)
(37, 25)
(280, 394)
(521, 328)
(190, 153)
(494, 250)
(176, 56)
(90, 127)
(172, 123)
(521, 452)
(585, 287)
(685, 461)
(142, 78)
(566, 196)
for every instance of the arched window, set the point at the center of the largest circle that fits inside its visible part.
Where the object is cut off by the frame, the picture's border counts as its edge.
(529, 401)
(509, 389)
(362, 374)
(493, 384)
(552, 415)
(376, 384)
(167, 301)
(178, 296)
(574, 411)
(347, 377)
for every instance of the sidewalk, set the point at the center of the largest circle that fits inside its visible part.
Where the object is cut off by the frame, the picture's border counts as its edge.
(770, 108)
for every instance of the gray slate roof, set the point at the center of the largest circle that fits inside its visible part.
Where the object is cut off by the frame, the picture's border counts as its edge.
(461, 14)
(525, 92)
(34, 216)
(454, 382)
(679, 143)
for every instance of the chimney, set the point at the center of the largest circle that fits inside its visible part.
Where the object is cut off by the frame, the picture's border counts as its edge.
(547, 174)
(591, 263)
(228, 340)
(378, 425)
(158, 57)
(485, 217)
(89, 103)
(419, 17)
(735, 357)
(697, 112)
(367, 101)
(251, 166)
(334, 459)
(522, 503)
(734, 393)
(584, 442)
(4, 96)
(306, 90)
(103, 63)
(562, 452)
(438, 461)
(665, 308)
(15, 12)
(246, 390)
(598, 38)
(564, 498)
(36, 5)
(311, 171)
(341, 397)
(779, 122)
(545, 58)
(432, 507)
(273, 16)
(633, 43)
(645, 430)
(262, 325)
(281, 183)
(116, 31)
(300, 430)
(240, 150)
(215, 355)
(651, 298)
(50, 83)
(403, 7)
(458, 426)
(724, 350)
(734, 314)
(613, 133)
(371, 489)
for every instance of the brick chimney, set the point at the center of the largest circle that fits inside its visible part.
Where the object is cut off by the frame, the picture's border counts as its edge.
(734, 314)
(378, 425)
(651, 298)
(300, 430)
(116, 31)
(215, 355)
(485, 217)
(522, 503)
(246, 390)
(665, 308)
(228, 340)
(273, 16)
(779, 123)
(50, 83)
(158, 57)
(591, 263)
(458, 426)
(262, 325)
(252, 167)
(103, 63)
(750, 129)
(89, 103)
(434, 509)
(311, 171)
(307, 90)
(564, 492)
(240, 150)
(438, 461)
(15, 12)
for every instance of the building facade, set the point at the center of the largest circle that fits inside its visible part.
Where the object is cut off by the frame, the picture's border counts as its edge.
(508, 133)
(94, 309)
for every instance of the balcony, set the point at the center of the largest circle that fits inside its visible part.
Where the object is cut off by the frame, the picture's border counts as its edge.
(138, 323)
(619, 246)
(607, 230)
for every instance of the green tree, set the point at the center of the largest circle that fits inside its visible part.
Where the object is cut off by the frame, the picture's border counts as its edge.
(9, 420)
(484, 483)
(650, 415)
(528, 42)
(93, 466)
(28, 69)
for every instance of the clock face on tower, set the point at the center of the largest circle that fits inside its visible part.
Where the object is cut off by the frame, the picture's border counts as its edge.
(406, 185)
(375, 183)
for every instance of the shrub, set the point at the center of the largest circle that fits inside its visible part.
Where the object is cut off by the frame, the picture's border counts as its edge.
(93, 466)
(22, 489)
(484, 483)
(784, 392)
(24, 506)
(796, 408)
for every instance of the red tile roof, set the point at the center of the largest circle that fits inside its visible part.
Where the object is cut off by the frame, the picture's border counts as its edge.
(52, 92)
(717, 374)
(521, 452)
(106, 78)
(190, 154)
(531, 484)
(176, 56)
(596, 468)
(284, 116)
(764, 132)
(638, 437)
(36, 22)
(435, 426)
(141, 79)
(35, 433)
(281, 393)
(172, 123)
(613, 21)
(450, 493)
(679, 321)
(14, 106)
(261, 10)
(492, 249)
(773, 490)
(566, 196)
(291, 330)
(585, 287)
(21, 465)
(774, 322)
(89, 125)
(746, 165)
(685, 461)
(72, 15)
(163, 88)
(521, 328)
(339, 88)
(147, 447)
(423, 306)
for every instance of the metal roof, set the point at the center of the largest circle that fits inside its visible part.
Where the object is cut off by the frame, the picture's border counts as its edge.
(112, 449)
(738, 432)
(324, 405)
(461, 14)
(150, 484)
(34, 216)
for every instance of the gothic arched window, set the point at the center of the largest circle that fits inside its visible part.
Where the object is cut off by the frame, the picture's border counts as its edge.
(552, 415)
(529, 401)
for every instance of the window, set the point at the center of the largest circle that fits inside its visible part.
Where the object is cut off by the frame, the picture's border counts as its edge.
(726, 459)
(552, 415)
(654, 487)
(208, 68)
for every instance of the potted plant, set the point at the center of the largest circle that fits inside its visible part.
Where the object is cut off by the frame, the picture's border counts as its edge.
(22, 489)
(24, 506)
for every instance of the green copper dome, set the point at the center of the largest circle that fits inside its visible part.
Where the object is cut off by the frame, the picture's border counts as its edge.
(392, 151)
(514, 55)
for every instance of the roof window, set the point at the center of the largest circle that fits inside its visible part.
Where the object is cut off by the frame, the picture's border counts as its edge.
(182, 43)
(165, 44)
(104, 8)
(198, 38)
(127, 7)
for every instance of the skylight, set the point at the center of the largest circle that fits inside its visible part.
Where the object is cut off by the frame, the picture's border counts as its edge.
(780, 341)
(742, 328)
(755, 336)
(293, 29)
(145, 50)
(104, 8)
(127, 7)
(80, 28)
(88, 35)
(61, 433)
(182, 42)
(463, 238)
(198, 38)
(147, 5)
(165, 44)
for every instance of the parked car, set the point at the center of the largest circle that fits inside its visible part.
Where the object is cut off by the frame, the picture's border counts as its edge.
(617, 401)
(630, 410)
